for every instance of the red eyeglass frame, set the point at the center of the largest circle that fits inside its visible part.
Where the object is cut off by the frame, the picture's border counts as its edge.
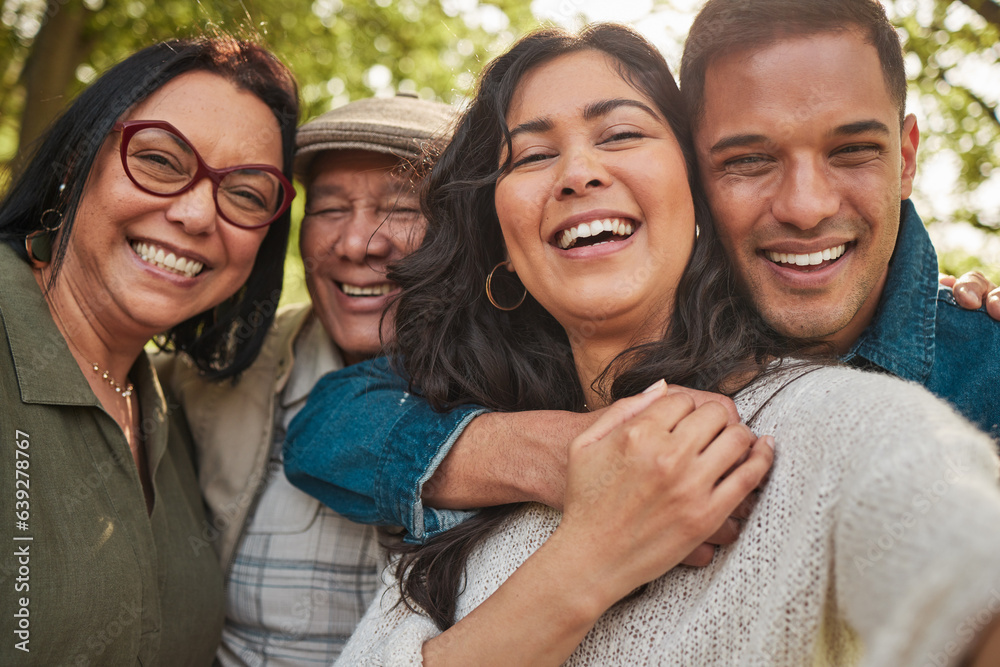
(129, 127)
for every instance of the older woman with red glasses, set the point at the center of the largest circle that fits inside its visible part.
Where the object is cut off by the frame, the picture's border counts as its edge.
(139, 217)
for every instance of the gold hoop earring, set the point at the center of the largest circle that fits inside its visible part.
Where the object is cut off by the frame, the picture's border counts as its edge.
(489, 293)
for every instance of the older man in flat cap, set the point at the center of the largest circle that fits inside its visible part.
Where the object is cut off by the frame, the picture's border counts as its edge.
(298, 575)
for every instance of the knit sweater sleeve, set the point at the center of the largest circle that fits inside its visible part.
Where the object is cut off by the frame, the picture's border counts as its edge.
(916, 562)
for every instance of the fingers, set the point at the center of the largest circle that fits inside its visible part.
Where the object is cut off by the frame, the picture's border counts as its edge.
(974, 289)
(704, 433)
(702, 397)
(719, 445)
(738, 484)
(722, 444)
(728, 451)
(993, 304)
(727, 532)
(733, 525)
(701, 556)
(620, 412)
(745, 508)
(701, 426)
(946, 280)
(971, 288)
(645, 428)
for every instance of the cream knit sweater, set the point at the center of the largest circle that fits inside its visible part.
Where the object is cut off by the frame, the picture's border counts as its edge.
(876, 541)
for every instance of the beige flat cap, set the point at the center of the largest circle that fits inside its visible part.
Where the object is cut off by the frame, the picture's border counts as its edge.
(401, 126)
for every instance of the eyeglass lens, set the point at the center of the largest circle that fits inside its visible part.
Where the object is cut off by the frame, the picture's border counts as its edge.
(163, 163)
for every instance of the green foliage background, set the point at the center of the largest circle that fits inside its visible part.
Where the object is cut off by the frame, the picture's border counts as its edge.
(346, 49)
(339, 50)
(953, 60)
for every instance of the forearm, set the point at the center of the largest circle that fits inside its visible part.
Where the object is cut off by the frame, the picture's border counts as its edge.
(987, 652)
(505, 458)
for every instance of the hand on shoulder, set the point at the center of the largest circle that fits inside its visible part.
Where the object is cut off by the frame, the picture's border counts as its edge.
(972, 290)
(660, 473)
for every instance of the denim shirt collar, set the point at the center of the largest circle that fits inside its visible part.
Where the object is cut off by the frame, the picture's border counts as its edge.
(900, 338)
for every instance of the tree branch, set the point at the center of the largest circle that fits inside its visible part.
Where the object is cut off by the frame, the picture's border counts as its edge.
(988, 9)
(975, 222)
(987, 107)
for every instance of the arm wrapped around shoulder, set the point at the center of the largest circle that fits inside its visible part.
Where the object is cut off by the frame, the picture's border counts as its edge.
(364, 446)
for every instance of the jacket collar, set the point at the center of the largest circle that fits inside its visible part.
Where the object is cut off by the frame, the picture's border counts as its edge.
(900, 338)
(46, 370)
(315, 355)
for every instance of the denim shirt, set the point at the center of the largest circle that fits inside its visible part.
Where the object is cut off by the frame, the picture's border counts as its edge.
(365, 447)
(920, 333)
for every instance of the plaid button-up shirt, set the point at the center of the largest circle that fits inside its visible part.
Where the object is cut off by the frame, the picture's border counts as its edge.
(302, 575)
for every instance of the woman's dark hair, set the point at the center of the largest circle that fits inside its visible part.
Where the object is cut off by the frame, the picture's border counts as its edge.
(226, 339)
(457, 348)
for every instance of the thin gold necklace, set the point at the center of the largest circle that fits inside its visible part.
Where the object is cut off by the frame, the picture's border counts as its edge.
(125, 392)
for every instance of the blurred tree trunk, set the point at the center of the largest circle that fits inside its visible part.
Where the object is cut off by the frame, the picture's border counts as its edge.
(58, 50)
(988, 9)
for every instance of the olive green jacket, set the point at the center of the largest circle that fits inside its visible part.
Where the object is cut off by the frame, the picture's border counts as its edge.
(87, 577)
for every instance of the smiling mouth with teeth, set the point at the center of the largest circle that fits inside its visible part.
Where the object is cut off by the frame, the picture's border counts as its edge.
(810, 259)
(165, 259)
(369, 290)
(594, 233)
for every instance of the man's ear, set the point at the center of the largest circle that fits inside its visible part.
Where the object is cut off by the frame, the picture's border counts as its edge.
(908, 148)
